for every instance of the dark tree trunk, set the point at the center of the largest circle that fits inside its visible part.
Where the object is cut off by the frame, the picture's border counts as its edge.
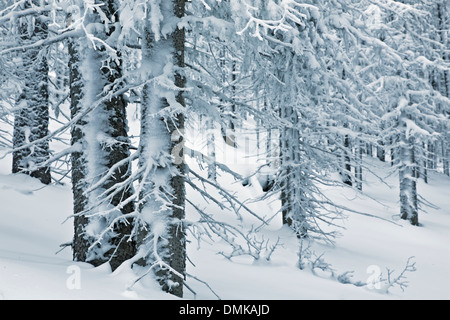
(393, 152)
(358, 166)
(414, 218)
(32, 116)
(291, 175)
(369, 149)
(446, 158)
(381, 151)
(81, 242)
(109, 120)
(124, 246)
(347, 179)
(407, 178)
(177, 242)
(229, 129)
(168, 130)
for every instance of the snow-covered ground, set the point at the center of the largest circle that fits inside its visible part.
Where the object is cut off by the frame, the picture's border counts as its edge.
(34, 223)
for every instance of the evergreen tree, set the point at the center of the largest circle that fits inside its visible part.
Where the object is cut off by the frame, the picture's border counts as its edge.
(161, 232)
(31, 116)
(410, 103)
(100, 139)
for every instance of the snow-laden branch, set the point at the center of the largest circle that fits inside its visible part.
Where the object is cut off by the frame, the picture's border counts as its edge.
(115, 92)
(232, 197)
(71, 34)
(13, 14)
(12, 7)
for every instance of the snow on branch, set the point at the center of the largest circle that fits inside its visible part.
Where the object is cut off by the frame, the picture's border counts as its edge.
(115, 92)
(308, 259)
(241, 243)
(72, 34)
(399, 280)
(232, 197)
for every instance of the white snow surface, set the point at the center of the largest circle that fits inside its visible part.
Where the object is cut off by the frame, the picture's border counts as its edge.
(34, 223)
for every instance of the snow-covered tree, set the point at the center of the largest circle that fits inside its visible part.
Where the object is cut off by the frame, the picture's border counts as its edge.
(31, 115)
(411, 106)
(161, 232)
(305, 55)
(100, 144)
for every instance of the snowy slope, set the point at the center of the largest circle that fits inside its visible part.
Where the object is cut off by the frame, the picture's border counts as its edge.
(32, 229)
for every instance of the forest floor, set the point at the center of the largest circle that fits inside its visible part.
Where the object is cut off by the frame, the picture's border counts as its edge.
(34, 222)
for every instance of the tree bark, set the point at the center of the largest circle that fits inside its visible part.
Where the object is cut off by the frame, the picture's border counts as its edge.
(347, 179)
(407, 179)
(32, 117)
(162, 198)
(211, 149)
(102, 140)
(358, 166)
(292, 175)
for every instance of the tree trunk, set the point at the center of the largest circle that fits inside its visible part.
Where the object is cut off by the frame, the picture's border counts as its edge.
(211, 149)
(32, 116)
(285, 169)
(369, 149)
(81, 241)
(407, 179)
(381, 151)
(358, 166)
(101, 137)
(381, 154)
(347, 179)
(229, 130)
(425, 166)
(393, 152)
(161, 238)
(446, 157)
(117, 129)
(431, 155)
(414, 217)
(291, 175)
